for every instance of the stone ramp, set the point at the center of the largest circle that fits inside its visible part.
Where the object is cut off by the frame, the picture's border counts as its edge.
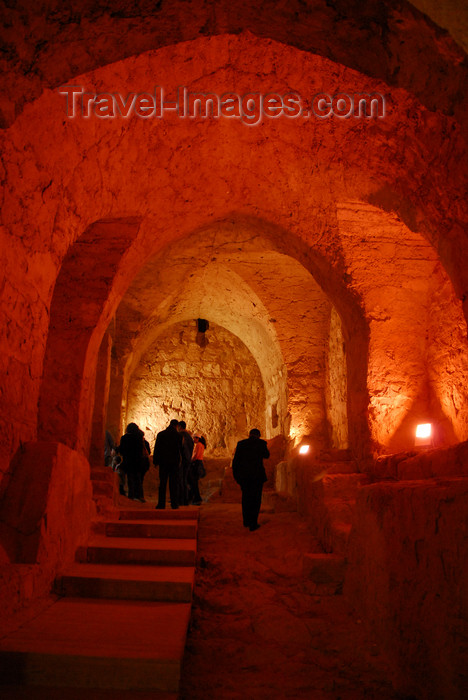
(123, 623)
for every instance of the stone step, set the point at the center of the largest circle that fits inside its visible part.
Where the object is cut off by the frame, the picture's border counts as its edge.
(88, 643)
(103, 488)
(127, 550)
(336, 537)
(326, 571)
(148, 513)
(104, 507)
(337, 467)
(163, 583)
(103, 474)
(165, 529)
(340, 509)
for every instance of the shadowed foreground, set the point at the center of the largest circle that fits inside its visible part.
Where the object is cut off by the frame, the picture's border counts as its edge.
(258, 628)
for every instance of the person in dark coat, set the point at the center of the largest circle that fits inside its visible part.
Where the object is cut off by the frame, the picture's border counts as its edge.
(167, 455)
(249, 473)
(131, 450)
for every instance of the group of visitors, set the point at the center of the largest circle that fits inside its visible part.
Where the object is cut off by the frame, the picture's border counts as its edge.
(178, 455)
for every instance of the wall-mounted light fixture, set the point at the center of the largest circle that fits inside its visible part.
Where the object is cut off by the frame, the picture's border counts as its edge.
(304, 449)
(423, 435)
(202, 327)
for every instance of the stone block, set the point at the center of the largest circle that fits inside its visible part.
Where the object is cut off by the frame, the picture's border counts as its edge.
(47, 508)
(449, 462)
(407, 578)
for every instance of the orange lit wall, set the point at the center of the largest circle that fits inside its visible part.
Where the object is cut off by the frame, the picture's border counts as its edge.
(333, 251)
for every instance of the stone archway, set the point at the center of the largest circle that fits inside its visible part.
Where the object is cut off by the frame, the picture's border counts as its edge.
(236, 278)
(216, 388)
(392, 40)
(293, 178)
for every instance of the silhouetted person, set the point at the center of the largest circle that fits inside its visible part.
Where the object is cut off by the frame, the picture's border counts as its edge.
(168, 456)
(131, 449)
(249, 472)
(187, 450)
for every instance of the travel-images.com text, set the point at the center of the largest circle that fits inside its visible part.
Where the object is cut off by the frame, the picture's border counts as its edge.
(250, 108)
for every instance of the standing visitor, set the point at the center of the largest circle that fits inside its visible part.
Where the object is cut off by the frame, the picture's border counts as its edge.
(145, 464)
(187, 450)
(131, 449)
(167, 455)
(197, 469)
(249, 473)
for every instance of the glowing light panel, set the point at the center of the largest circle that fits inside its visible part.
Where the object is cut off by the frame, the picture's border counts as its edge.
(424, 430)
(304, 449)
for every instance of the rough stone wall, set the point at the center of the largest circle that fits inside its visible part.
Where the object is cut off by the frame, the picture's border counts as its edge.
(407, 579)
(396, 43)
(44, 215)
(447, 360)
(48, 506)
(216, 389)
(179, 285)
(417, 332)
(412, 164)
(336, 386)
(450, 14)
(45, 514)
(101, 399)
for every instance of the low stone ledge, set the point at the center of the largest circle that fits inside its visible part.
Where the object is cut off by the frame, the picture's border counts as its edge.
(407, 578)
(449, 462)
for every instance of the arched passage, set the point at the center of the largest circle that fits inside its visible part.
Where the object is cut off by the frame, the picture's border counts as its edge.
(215, 386)
(80, 296)
(234, 276)
(361, 205)
(391, 40)
(286, 177)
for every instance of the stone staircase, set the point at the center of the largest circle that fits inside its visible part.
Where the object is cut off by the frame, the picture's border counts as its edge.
(121, 619)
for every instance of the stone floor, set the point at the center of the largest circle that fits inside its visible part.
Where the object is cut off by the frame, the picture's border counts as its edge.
(258, 629)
